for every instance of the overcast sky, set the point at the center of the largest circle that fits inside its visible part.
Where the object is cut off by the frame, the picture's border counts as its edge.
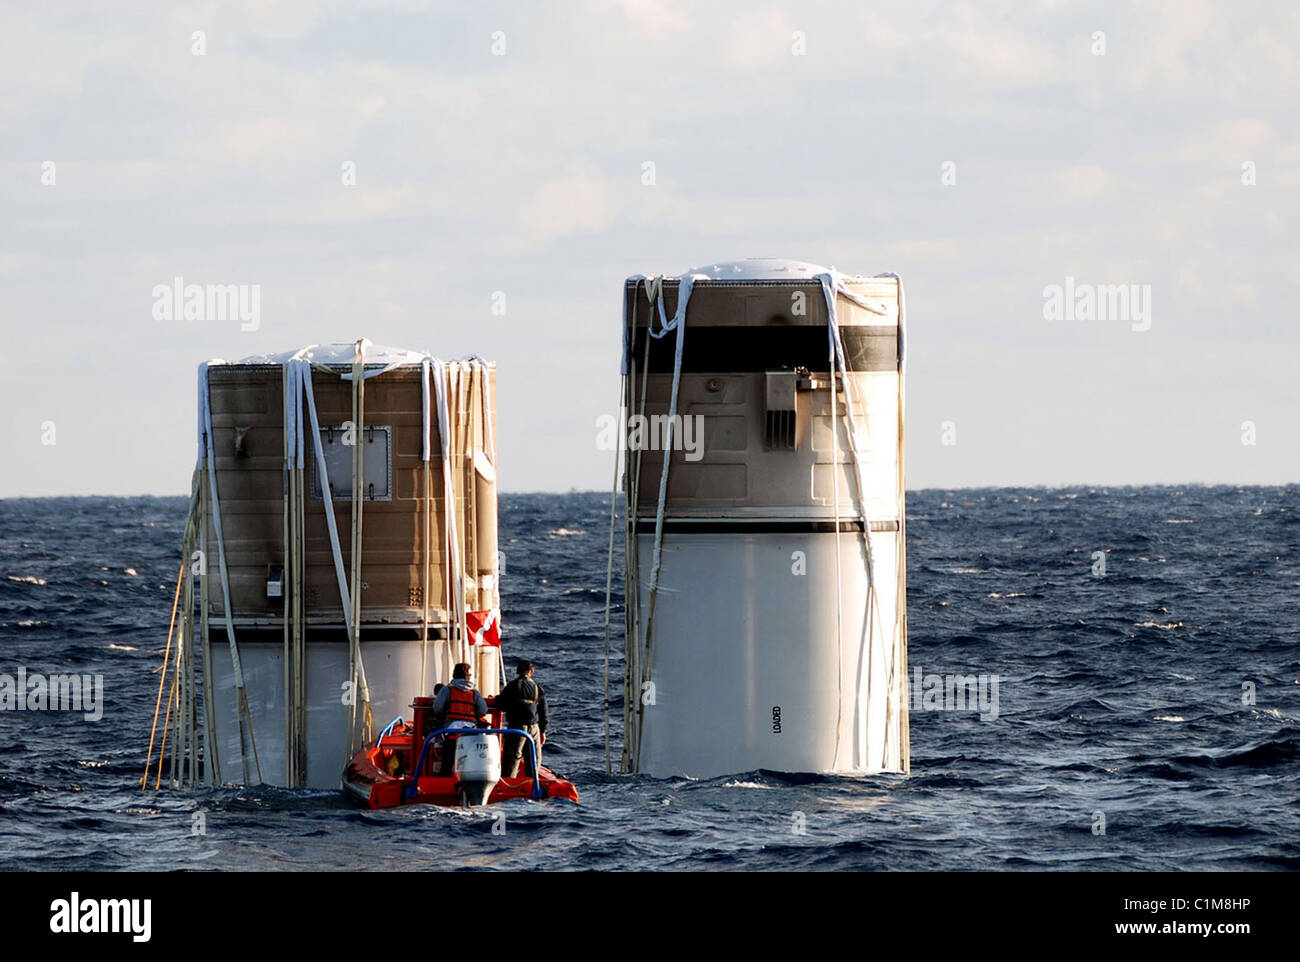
(502, 148)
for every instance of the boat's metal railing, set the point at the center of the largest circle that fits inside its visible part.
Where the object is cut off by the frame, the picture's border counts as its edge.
(388, 730)
(411, 790)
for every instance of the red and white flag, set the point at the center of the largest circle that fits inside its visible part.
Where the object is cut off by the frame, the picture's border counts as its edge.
(484, 627)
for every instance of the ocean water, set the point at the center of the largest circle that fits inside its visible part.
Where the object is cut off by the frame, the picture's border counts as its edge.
(1159, 702)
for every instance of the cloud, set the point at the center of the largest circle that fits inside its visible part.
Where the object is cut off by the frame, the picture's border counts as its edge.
(658, 17)
(477, 173)
(577, 203)
(981, 48)
(759, 39)
(1083, 183)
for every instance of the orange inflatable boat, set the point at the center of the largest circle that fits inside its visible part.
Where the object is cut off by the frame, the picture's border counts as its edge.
(402, 766)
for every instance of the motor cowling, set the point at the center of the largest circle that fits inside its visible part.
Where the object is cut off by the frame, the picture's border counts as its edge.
(477, 767)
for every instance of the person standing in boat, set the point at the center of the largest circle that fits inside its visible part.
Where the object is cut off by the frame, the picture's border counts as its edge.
(524, 704)
(458, 705)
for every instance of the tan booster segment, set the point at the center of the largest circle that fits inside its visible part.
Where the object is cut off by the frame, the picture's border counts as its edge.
(343, 527)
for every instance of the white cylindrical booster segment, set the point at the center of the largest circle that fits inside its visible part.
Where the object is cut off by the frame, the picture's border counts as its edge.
(747, 671)
(776, 641)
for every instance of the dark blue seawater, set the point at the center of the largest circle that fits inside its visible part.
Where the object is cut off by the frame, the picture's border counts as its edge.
(1120, 695)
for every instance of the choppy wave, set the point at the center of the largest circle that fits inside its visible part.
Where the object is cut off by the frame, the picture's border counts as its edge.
(1164, 694)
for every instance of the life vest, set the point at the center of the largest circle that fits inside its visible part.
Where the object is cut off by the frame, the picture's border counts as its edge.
(522, 708)
(460, 706)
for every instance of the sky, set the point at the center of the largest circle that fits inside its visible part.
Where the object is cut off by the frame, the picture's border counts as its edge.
(480, 178)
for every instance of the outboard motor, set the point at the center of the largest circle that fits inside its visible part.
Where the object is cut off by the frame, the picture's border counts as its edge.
(478, 766)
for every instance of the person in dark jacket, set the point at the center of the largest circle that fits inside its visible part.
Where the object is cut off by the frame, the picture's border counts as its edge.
(524, 704)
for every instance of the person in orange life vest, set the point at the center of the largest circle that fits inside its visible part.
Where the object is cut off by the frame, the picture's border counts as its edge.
(458, 705)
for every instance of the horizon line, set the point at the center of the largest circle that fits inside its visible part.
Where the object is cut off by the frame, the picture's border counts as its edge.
(959, 487)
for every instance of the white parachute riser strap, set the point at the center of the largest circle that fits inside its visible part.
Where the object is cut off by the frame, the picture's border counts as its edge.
(632, 643)
(490, 449)
(898, 661)
(355, 671)
(294, 666)
(624, 403)
(211, 748)
(192, 526)
(678, 324)
(898, 664)
(242, 711)
(322, 472)
(833, 286)
(489, 434)
(457, 399)
(438, 374)
(839, 577)
(896, 638)
(426, 451)
(286, 493)
(865, 648)
(300, 568)
(434, 402)
(609, 569)
(426, 486)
